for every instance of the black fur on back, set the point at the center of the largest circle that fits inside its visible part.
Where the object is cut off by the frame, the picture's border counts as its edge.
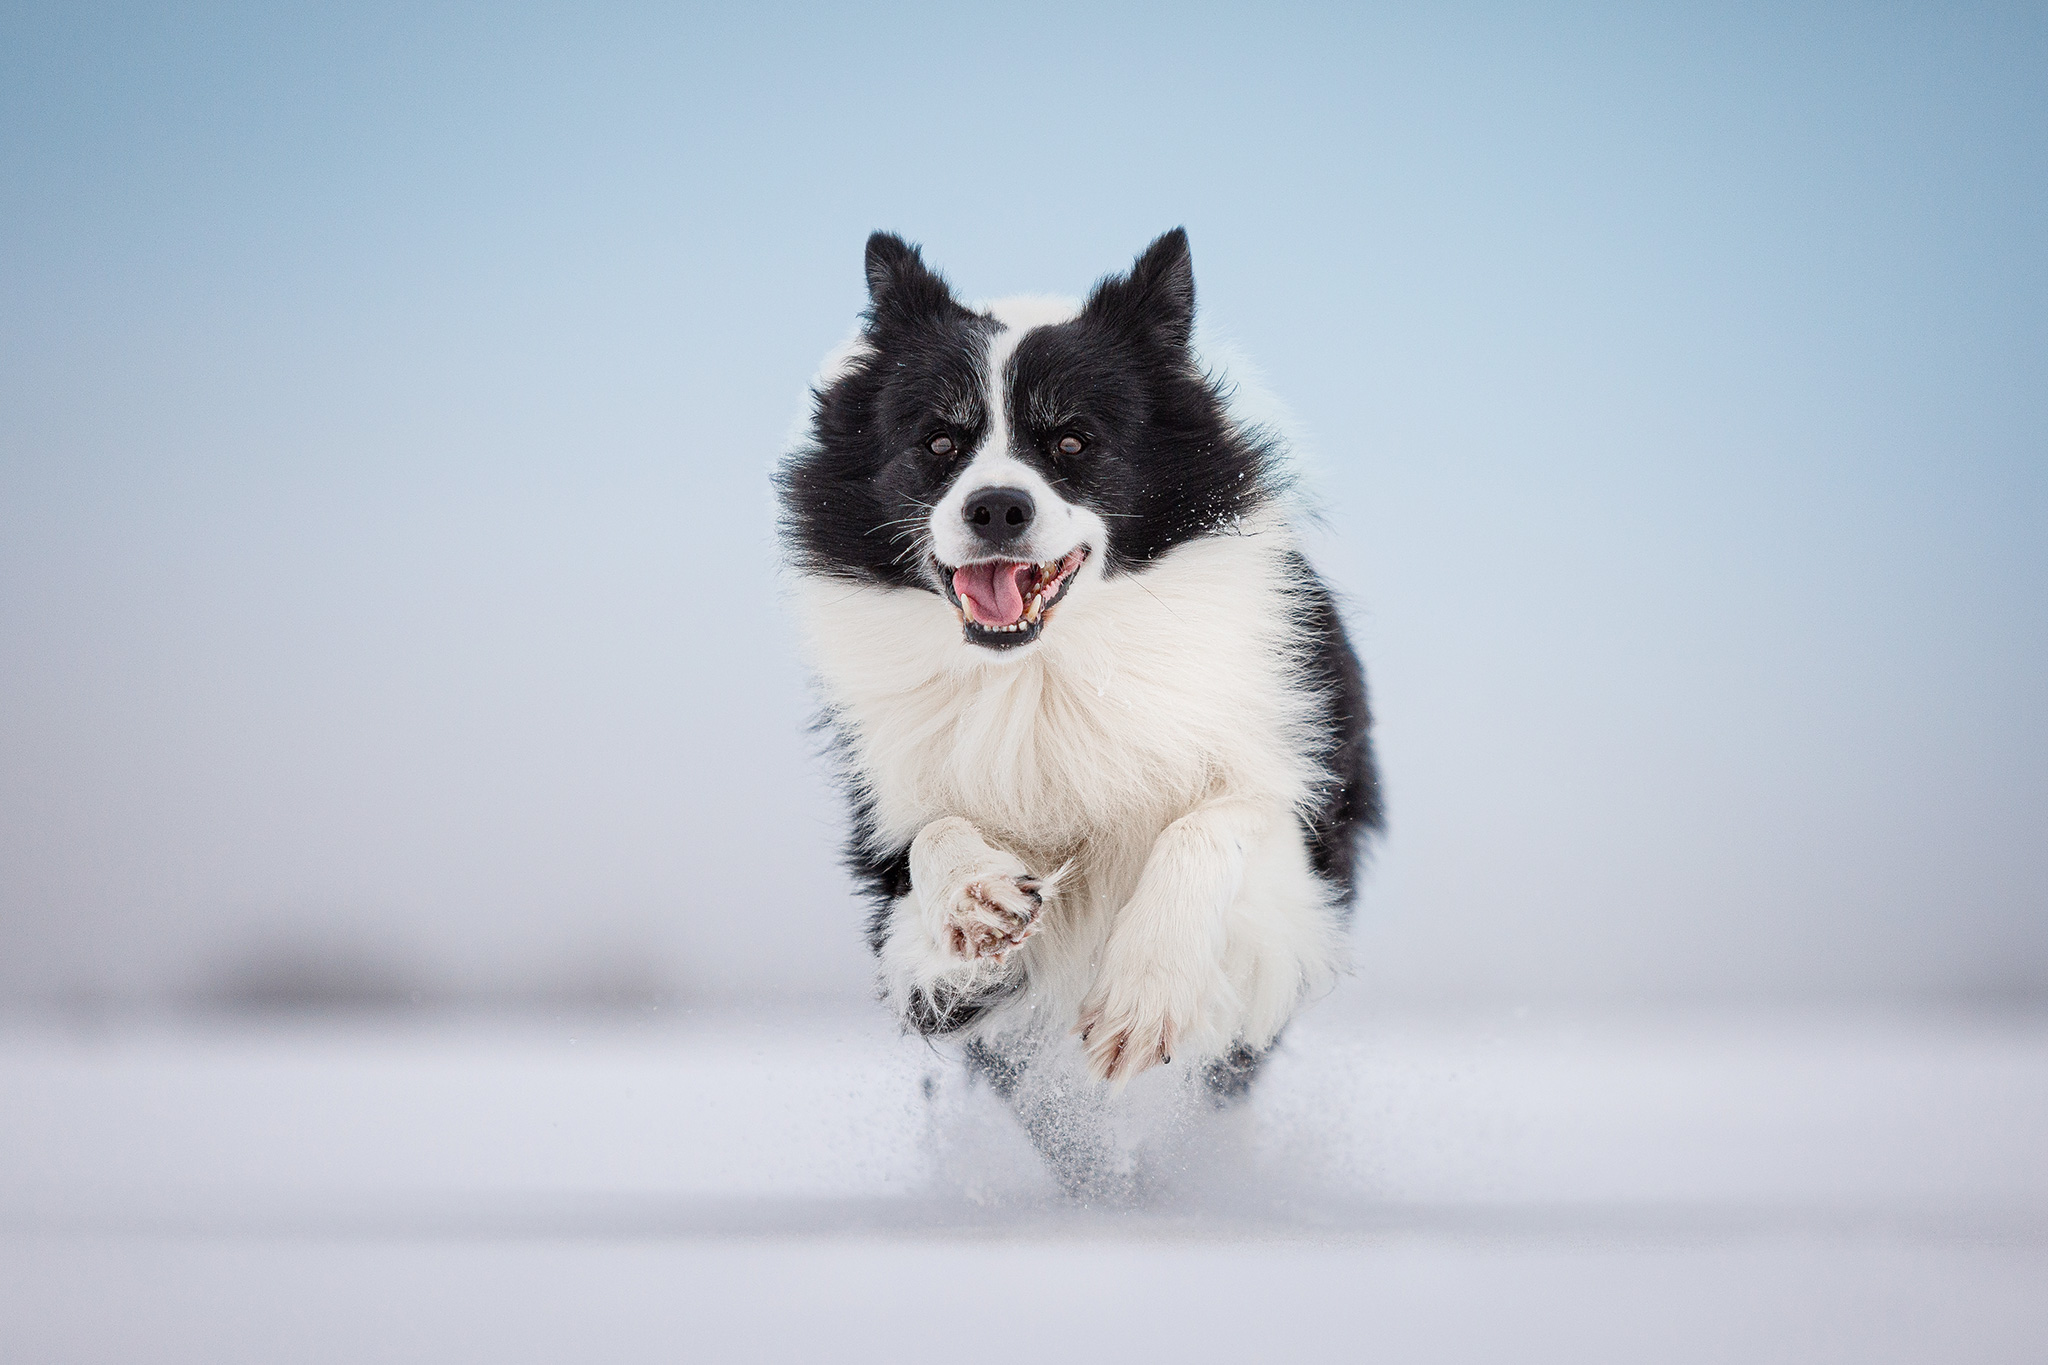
(1350, 807)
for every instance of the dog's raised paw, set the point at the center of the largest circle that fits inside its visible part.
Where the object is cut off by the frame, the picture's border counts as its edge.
(992, 914)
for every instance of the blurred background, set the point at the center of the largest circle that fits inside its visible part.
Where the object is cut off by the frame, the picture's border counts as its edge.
(388, 399)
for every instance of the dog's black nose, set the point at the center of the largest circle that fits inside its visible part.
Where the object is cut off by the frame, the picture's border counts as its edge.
(998, 515)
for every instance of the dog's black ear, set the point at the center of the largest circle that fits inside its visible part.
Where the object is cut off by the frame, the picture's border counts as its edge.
(1157, 297)
(900, 287)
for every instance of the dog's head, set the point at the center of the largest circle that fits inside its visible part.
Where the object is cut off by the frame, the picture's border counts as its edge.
(1006, 460)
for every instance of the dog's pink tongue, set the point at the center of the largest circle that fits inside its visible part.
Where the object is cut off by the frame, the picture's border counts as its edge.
(991, 589)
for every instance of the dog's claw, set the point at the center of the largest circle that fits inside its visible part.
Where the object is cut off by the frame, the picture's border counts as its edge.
(1131, 1049)
(994, 914)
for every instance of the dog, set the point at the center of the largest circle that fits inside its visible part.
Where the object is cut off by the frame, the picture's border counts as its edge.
(1104, 738)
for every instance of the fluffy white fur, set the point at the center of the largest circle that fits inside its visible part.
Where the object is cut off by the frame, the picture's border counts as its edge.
(1149, 749)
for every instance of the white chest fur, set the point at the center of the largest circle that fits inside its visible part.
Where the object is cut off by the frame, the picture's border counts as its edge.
(1147, 694)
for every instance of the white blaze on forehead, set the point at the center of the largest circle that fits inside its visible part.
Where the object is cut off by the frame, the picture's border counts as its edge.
(1015, 317)
(1059, 526)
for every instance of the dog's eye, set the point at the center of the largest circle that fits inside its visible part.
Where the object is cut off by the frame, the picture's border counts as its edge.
(1071, 445)
(941, 445)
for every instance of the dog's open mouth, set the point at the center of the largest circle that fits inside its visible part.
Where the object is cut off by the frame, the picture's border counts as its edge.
(1005, 602)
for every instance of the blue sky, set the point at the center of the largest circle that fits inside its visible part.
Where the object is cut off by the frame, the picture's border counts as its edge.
(387, 401)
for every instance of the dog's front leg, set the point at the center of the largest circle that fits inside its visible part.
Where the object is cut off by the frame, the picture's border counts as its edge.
(1165, 951)
(950, 946)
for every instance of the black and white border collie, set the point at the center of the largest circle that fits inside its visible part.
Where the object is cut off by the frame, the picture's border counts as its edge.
(1103, 735)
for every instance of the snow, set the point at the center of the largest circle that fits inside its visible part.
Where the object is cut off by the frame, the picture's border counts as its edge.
(1716, 1185)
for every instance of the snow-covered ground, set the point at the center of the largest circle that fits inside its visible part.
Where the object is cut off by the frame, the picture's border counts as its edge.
(699, 1185)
